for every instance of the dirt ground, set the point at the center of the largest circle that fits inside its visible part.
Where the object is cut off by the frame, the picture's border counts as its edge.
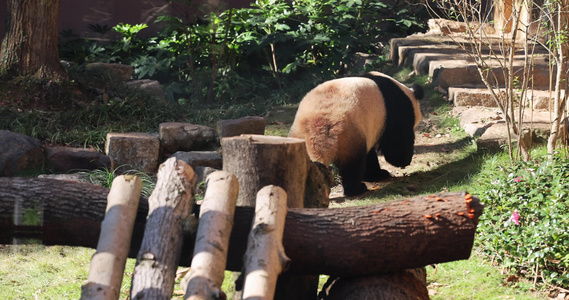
(432, 150)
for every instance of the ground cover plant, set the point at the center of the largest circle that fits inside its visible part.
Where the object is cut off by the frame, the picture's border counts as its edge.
(525, 225)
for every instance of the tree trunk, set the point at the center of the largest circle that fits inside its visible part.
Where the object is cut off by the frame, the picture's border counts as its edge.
(350, 241)
(212, 241)
(29, 47)
(107, 264)
(170, 204)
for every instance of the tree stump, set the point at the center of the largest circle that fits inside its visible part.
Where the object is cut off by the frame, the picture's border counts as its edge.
(258, 161)
(170, 205)
(399, 285)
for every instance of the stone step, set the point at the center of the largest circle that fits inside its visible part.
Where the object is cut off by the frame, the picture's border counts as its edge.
(448, 72)
(481, 96)
(489, 128)
(448, 65)
(452, 70)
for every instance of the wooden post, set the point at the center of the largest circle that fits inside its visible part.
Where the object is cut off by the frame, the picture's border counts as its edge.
(258, 161)
(170, 205)
(212, 241)
(107, 265)
(265, 258)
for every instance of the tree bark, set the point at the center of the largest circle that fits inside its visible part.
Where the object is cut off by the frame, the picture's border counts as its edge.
(212, 241)
(258, 161)
(107, 264)
(170, 204)
(346, 241)
(29, 46)
(265, 258)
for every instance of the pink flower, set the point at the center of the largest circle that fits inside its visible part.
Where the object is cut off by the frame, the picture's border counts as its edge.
(518, 179)
(515, 217)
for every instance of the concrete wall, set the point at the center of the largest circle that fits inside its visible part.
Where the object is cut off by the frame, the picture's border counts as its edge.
(78, 14)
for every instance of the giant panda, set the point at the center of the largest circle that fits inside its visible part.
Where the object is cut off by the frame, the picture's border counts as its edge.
(347, 121)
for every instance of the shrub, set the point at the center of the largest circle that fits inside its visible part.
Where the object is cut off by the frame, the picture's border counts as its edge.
(231, 56)
(537, 244)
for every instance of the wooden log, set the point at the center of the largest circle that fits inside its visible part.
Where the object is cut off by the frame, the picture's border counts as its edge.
(258, 161)
(212, 241)
(400, 285)
(107, 264)
(372, 239)
(344, 241)
(71, 212)
(265, 257)
(170, 205)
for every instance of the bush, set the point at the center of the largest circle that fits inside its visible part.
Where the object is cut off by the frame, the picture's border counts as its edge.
(232, 56)
(537, 244)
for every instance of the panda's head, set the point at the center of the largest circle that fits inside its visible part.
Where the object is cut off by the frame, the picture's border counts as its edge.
(403, 114)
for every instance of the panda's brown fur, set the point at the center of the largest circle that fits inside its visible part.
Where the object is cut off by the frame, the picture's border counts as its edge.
(344, 120)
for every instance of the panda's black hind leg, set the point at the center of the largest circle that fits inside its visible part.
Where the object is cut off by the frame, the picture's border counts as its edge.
(352, 172)
(353, 188)
(374, 172)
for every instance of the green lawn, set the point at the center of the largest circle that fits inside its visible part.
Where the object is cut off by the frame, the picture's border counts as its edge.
(57, 272)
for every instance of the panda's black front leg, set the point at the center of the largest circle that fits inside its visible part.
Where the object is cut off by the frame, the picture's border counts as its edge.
(374, 172)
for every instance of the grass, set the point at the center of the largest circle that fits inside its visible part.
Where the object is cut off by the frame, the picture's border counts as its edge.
(38, 272)
(57, 272)
(476, 278)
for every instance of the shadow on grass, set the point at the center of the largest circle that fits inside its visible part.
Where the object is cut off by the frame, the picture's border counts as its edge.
(459, 145)
(453, 176)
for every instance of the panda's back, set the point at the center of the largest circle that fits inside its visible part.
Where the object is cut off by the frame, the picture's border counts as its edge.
(352, 107)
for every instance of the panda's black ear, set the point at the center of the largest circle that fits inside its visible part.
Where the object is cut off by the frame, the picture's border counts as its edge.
(418, 91)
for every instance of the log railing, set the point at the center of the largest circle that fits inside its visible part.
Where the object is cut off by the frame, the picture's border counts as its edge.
(341, 242)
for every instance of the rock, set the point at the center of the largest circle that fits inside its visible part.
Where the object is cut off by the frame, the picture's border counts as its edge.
(444, 26)
(476, 129)
(134, 150)
(176, 136)
(19, 152)
(152, 87)
(122, 71)
(359, 61)
(65, 159)
(472, 97)
(203, 173)
(200, 158)
(245, 125)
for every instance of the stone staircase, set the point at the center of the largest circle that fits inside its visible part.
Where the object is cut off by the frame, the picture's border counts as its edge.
(453, 72)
